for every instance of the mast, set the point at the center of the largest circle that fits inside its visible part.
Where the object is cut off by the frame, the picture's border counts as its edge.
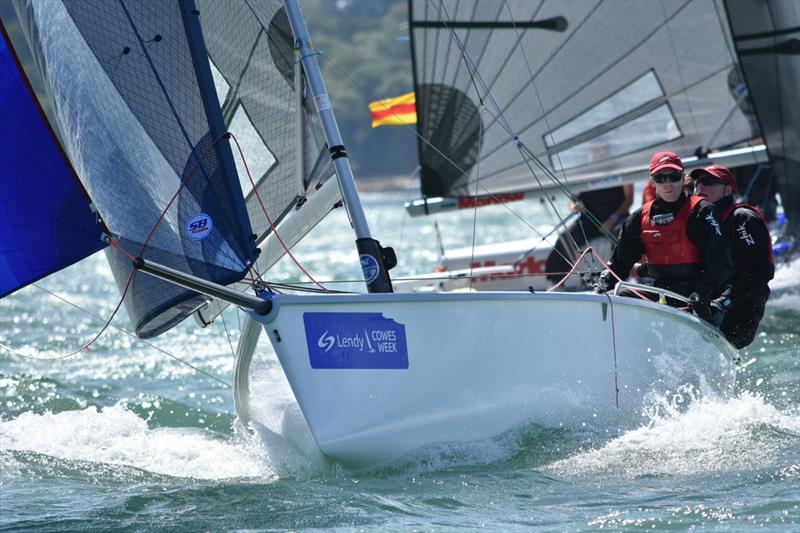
(375, 260)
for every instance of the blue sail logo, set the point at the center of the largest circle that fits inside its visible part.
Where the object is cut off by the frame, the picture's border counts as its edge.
(199, 227)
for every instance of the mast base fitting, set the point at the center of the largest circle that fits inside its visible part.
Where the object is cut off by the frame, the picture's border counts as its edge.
(375, 264)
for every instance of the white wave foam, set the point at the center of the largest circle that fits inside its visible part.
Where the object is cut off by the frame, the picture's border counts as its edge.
(278, 422)
(711, 435)
(116, 436)
(785, 285)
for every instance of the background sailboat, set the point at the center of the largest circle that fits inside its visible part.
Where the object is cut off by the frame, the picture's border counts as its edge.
(595, 100)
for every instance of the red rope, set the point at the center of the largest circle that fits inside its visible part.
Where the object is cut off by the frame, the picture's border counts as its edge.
(184, 183)
(115, 243)
(86, 347)
(602, 263)
(271, 224)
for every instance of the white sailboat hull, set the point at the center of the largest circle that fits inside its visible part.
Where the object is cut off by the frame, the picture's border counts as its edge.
(479, 364)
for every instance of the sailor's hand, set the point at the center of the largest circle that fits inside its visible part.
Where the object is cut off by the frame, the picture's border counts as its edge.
(700, 305)
(719, 307)
(604, 283)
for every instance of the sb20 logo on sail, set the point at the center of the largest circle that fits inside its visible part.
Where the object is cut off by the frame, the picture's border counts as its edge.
(199, 227)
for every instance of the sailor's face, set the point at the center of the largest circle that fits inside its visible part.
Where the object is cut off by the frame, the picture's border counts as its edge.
(669, 184)
(710, 188)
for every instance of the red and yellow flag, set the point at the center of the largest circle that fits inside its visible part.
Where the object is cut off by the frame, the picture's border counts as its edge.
(396, 111)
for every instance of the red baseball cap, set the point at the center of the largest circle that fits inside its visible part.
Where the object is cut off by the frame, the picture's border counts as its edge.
(662, 160)
(717, 171)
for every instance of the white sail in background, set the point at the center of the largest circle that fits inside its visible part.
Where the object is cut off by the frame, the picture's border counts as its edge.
(591, 88)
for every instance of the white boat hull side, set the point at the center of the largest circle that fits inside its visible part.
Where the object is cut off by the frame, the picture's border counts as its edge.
(482, 363)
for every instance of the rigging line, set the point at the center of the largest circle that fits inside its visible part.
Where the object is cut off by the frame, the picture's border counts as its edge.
(475, 209)
(457, 70)
(130, 334)
(184, 182)
(410, 190)
(571, 271)
(88, 345)
(264, 209)
(546, 121)
(501, 67)
(433, 147)
(158, 78)
(614, 347)
(469, 70)
(476, 75)
(501, 118)
(520, 146)
(575, 31)
(227, 333)
(567, 192)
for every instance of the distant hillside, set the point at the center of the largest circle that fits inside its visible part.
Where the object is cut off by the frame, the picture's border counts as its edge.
(365, 57)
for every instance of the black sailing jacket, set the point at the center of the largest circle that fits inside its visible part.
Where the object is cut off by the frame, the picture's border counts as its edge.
(751, 243)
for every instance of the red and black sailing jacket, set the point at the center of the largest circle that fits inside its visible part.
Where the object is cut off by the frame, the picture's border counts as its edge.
(690, 248)
(669, 244)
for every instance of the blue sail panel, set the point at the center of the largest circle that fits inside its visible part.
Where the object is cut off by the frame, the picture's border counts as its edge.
(45, 220)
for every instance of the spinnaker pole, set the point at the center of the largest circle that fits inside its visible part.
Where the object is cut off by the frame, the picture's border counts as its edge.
(375, 260)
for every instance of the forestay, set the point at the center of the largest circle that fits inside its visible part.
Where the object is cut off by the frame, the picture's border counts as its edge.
(46, 223)
(134, 97)
(589, 95)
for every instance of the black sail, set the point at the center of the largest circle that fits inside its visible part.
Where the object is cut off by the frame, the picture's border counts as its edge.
(767, 38)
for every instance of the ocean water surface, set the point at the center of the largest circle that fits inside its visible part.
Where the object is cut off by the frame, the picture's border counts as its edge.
(142, 436)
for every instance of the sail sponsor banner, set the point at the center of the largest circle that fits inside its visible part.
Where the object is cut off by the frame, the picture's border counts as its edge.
(355, 340)
(397, 111)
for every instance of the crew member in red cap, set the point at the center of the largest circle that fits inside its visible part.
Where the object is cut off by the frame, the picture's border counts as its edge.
(746, 292)
(686, 246)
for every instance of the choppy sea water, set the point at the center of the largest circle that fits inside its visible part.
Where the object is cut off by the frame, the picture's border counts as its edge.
(127, 437)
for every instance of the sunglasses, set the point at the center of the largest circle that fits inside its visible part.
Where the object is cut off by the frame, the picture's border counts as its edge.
(707, 181)
(664, 178)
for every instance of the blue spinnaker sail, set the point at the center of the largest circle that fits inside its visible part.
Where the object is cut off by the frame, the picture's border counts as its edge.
(135, 97)
(45, 220)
